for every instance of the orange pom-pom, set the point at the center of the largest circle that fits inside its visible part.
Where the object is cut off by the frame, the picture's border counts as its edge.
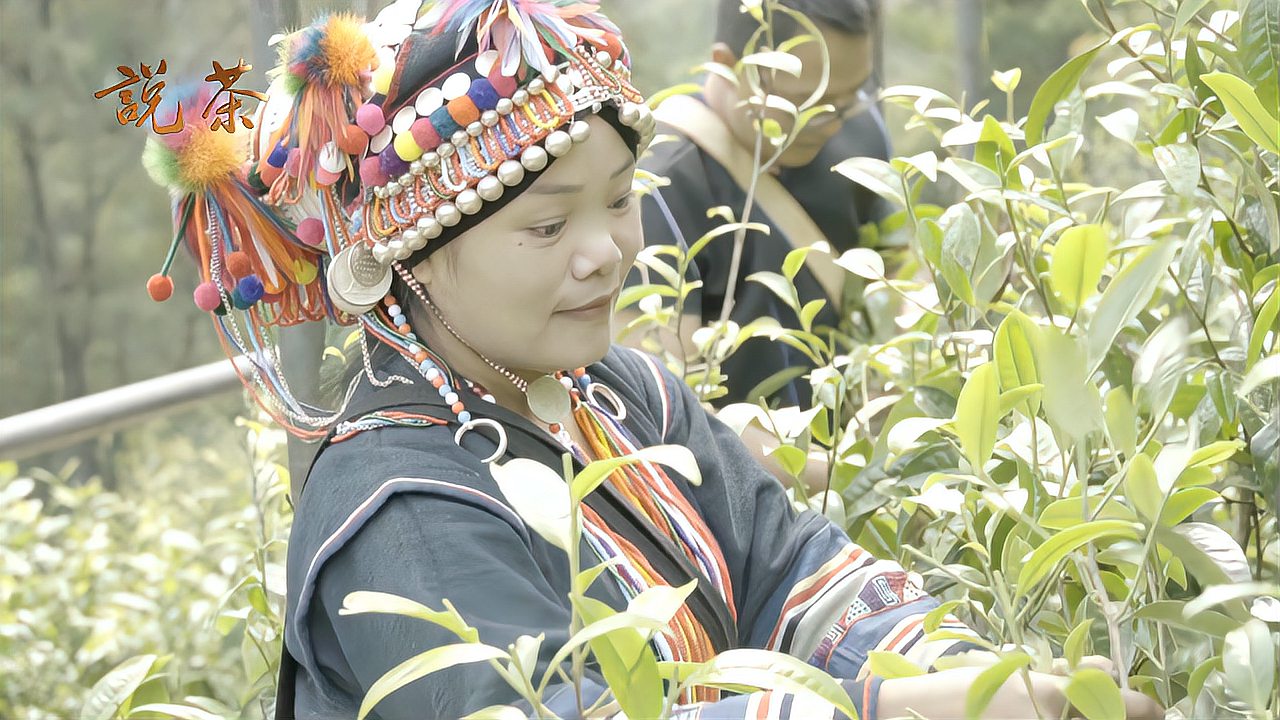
(160, 287)
(353, 140)
(239, 264)
(268, 173)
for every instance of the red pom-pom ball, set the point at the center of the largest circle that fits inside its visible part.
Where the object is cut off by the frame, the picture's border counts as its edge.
(207, 296)
(311, 231)
(160, 287)
(239, 264)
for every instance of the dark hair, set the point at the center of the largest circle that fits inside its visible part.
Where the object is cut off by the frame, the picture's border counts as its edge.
(735, 27)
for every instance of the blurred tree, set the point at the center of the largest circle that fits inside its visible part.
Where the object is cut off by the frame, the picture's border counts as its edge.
(81, 227)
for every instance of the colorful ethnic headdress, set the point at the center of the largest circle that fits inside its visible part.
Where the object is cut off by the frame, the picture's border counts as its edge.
(377, 144)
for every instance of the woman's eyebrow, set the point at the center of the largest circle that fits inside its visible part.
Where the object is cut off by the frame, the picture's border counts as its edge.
(561, 189)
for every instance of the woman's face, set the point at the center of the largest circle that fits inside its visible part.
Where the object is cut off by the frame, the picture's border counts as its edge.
(533, 286)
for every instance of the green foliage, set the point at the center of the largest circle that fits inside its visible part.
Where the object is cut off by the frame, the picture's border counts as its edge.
(1058, 398)
(1054, 398)
(158, 601)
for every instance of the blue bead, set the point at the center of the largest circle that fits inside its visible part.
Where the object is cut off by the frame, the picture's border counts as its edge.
(425, 365)
(411, 336)
(585, 379)
(399, 319)
(444, 123)
(464, 416)
(445, 389)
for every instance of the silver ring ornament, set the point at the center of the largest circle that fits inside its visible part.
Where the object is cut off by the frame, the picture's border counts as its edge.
(619, 410)
(473, 424)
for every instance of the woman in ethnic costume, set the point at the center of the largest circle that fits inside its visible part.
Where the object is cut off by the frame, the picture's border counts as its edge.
(456, 182)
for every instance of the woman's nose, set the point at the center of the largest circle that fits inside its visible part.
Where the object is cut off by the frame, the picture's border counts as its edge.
(599, 254)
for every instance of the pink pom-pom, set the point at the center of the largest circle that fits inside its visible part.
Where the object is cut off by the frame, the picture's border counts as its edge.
(370, 118)
(311, 231)
(325, 177)
(424, 134)
(207, 296)
(371, 174)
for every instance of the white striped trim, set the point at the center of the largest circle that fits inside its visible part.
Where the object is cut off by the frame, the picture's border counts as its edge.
(662, 389)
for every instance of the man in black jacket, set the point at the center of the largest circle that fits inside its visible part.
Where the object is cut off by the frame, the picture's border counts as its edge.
(699, 180)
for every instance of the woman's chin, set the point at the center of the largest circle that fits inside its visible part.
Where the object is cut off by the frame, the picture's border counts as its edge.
(585, 348)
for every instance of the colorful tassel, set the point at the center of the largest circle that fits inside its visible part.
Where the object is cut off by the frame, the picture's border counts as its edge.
(324, 67)
(526, 33)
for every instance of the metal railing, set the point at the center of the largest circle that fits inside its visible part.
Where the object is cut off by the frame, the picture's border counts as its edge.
(59, 426)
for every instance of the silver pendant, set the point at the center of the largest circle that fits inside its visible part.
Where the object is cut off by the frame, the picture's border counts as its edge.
(548, 400)
(357, 281)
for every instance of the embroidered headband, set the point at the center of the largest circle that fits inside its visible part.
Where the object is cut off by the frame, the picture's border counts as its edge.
(379, 143)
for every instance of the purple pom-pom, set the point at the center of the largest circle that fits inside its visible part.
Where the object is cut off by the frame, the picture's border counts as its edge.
(279, 155)
(250, 289)
(483, 94)
(392, 164)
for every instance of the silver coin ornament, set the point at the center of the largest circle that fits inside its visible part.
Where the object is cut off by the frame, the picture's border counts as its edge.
(548, 400)
(357, 281)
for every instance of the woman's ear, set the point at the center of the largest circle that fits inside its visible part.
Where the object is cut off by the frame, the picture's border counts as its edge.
(720, 53)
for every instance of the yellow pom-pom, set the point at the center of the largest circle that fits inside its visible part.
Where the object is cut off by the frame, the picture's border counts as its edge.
(211, 156)
(304, 272)
(382, 79)
(347, 50)
(407, 148)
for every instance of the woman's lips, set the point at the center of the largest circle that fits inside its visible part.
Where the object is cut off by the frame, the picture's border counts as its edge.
(590, 309)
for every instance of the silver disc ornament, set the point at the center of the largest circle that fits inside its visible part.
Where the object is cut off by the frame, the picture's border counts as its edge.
(548, 400)
(357, 281)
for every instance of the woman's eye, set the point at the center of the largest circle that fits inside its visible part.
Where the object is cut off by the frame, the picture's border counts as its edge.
(622, 202)
(549, 230)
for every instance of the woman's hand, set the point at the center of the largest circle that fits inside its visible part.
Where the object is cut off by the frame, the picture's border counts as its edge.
(941, 696)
